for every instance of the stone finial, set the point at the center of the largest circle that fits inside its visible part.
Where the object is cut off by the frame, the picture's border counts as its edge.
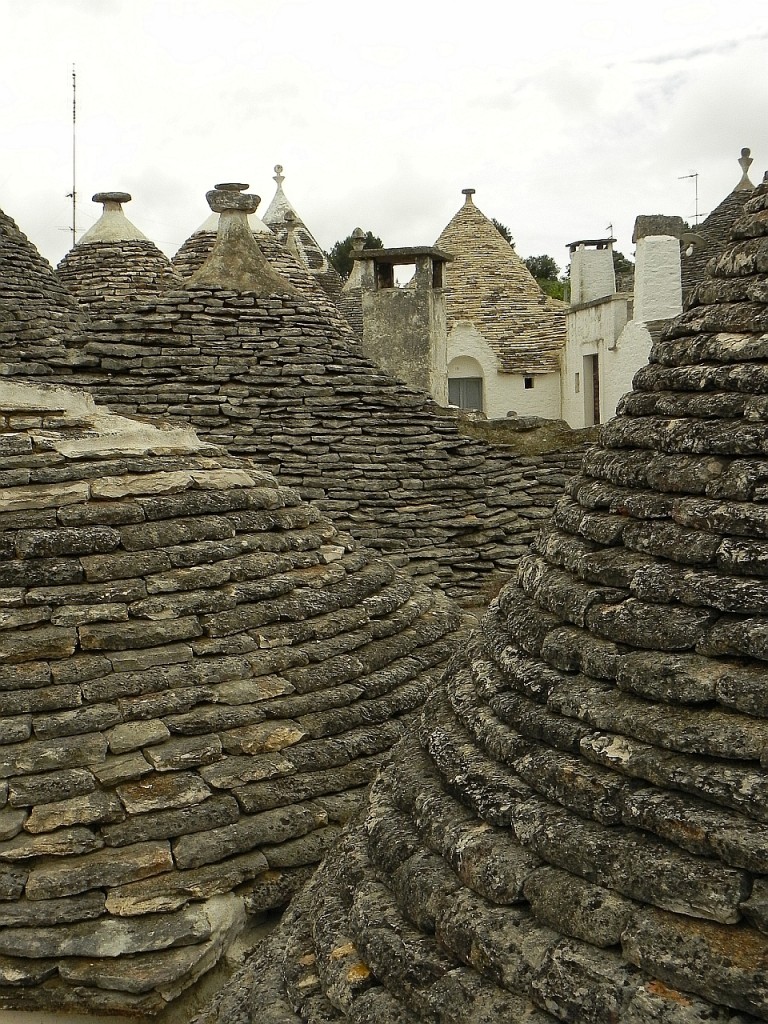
(231, 198)
(358, 240)
(236, 262)
(279, 177)
(113, 225)
(468, 192)
(117, 198)
(745, 161)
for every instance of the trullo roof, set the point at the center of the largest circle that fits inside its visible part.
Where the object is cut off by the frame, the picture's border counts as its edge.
(489, 286)
(113, 262)
(198, 678)
(578, 829)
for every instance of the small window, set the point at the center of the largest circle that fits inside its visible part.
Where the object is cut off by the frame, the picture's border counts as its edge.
(466, 392)
(528, 383)
(576, 383)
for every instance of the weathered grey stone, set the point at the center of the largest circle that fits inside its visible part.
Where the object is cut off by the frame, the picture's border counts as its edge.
(134, 735)
(43, 755)
(26, 971)
(724, 965)
(63, 842)
(256, 739)
(173, 890)
(27, 790)
(577, 908)
(121, 769)
(110, 937)
(162, 792)
(213, 813)
(45, 913)
(169, 971)
(90, 809)
(99, 869)
(11, 822)
(238, 771)
(267, 828)
(188, 752)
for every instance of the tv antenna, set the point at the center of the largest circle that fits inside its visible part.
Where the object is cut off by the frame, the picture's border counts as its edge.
(695, 176)
(73, 194)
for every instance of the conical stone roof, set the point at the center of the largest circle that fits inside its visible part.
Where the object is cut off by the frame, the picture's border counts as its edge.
(114, 262)
(198, 678)
(714, 232)
(578, 829)
(489, 286)
(36, 310)
(265, 373)
(291, 231)
(193, 253)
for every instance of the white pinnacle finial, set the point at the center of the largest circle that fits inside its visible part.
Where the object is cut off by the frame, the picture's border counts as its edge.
(279, 176)
(745, 160)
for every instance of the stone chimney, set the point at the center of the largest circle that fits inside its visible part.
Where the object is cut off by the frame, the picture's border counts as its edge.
(404, 328)
(658, 287)
(592, 273)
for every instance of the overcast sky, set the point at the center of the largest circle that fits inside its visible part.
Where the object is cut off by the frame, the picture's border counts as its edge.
(565, 117)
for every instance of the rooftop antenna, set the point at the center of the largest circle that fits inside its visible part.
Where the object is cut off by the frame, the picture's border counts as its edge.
(695, 176)
(73, 194)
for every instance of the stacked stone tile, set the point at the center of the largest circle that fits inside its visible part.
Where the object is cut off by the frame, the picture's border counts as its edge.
(351, 298)
(714, 232)
(114, 262)
(197, 248)
(36, 311)
(198, 678)
(488, 285)
(265, 373)
(578, 830)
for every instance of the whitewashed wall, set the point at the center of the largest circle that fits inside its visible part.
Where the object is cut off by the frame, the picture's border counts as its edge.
(502, 392)
(594, 328)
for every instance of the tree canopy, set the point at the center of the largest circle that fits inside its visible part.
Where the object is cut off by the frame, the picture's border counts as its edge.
(504, 231)
(547, 274)
(340, 257)
(624, 270)
(542, 266)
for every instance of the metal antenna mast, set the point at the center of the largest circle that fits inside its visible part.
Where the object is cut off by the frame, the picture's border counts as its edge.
(73, 193)
(695, 176)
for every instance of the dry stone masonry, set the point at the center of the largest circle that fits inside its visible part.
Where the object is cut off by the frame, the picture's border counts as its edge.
(709, 238)
(198, 677)
(114, 262)
(197, 248)
(291, 231)
(578, 829)
(489, 286)
(266, 374)
(36, 311)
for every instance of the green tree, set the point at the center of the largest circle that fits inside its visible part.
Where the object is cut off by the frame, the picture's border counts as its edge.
(504, 231)
(340, 254)
(547, 274)
(542, 267)
(624, 270)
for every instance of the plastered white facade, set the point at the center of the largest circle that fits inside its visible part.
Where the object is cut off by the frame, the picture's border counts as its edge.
(592, 273)
(601, 337)
(469, 355)
(658, 287)
(593, 329)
